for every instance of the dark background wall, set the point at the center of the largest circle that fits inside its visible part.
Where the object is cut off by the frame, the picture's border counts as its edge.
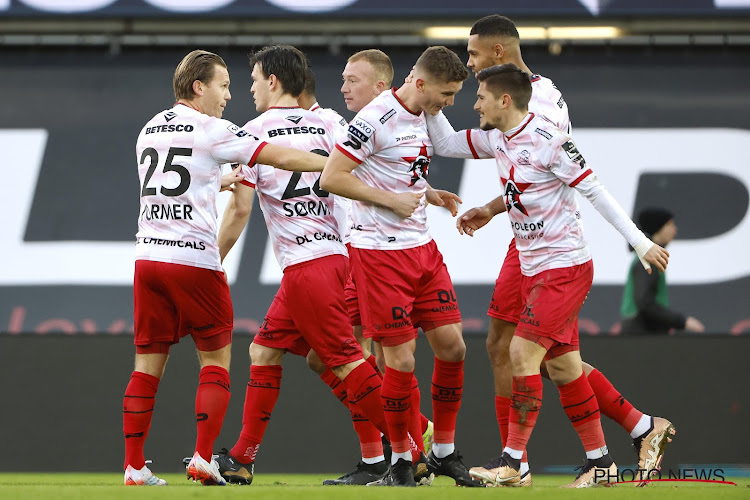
(93, 104)
(63, 395)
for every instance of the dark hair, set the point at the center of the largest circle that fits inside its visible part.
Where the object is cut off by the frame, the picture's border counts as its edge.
(284, 61)
(309, 82)
(508, 79)
(495, 25)
(197, 65)
(442, 64)
(651, 220)
(380, 62)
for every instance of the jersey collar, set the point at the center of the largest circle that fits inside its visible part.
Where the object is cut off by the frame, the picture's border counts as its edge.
(510, 134)
(393, 91)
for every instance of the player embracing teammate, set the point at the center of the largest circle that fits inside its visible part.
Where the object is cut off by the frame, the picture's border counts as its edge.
(402, 283)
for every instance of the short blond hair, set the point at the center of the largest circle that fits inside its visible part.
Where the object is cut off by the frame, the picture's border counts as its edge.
(197, 65)
(380, 62)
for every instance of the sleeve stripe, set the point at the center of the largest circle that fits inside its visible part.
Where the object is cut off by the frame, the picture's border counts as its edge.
(471, 146)
(583, 176)
(247, 183)
(348, 154)
(262, 145)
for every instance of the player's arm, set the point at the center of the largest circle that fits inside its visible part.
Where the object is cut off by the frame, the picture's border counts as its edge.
(604, 203)
(227, 180)
(337, 178)
(447, 142)
(290, 159)
(236, 215)
(478, 217)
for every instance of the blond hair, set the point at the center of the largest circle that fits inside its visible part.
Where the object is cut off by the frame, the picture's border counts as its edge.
(380, 62)
(197, 65)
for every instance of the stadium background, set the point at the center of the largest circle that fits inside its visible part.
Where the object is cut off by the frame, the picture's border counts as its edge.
(660, 110)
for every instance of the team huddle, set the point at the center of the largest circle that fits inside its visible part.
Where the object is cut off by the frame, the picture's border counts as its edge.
(345, 205)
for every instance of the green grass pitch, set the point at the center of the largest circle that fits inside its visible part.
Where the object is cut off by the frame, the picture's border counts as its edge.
(309, 486)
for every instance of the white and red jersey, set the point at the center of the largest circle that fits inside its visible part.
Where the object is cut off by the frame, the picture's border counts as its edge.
(539, 165)
(547, 102)
(391, 145)
(336, 124)
(299, 215)
(179, 153)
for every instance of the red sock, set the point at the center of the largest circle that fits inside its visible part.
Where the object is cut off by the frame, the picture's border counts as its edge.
(211, 403)
(260, 398)
(337, 386)
(524, 410)
(373, 363)
(611, 402)
(137, 409)
(396, 396)
(368, 434)
(424, 422)
(447, 389)
(580, 405)
(502, 411)
(363, 388)
(415, 420)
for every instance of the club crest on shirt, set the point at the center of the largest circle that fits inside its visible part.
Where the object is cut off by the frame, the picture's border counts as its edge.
(524, 158)
(513, 192)
(419, 165)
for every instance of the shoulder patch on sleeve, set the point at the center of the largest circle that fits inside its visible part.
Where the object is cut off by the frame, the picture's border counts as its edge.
(361, 129)
(572, 151)
(236, 130)
(543, 133)
(387, 116)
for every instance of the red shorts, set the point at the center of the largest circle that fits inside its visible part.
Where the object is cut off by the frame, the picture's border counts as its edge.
(552, 300)
(506, 297)
(350, 292)
(309, 311)
(402, 290)
(174, 300)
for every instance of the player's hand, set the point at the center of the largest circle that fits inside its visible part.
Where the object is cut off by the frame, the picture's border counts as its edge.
(658, 257)
(228, 180)
(473, 220)
(693, 325)
(445, 199)
(404, 204)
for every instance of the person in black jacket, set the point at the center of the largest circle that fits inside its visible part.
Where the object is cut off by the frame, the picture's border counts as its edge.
(645, 301)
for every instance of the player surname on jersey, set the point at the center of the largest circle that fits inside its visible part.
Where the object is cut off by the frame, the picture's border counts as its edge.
(166, 211)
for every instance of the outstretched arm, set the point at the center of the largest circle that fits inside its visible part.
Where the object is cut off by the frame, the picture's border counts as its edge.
(447, 142)
(291, 159)
(648, 251)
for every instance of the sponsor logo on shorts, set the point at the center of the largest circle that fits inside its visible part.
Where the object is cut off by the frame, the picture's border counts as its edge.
(527, 316)
(448, 301)
(349, 347)
(202, 328)
(400, 317)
